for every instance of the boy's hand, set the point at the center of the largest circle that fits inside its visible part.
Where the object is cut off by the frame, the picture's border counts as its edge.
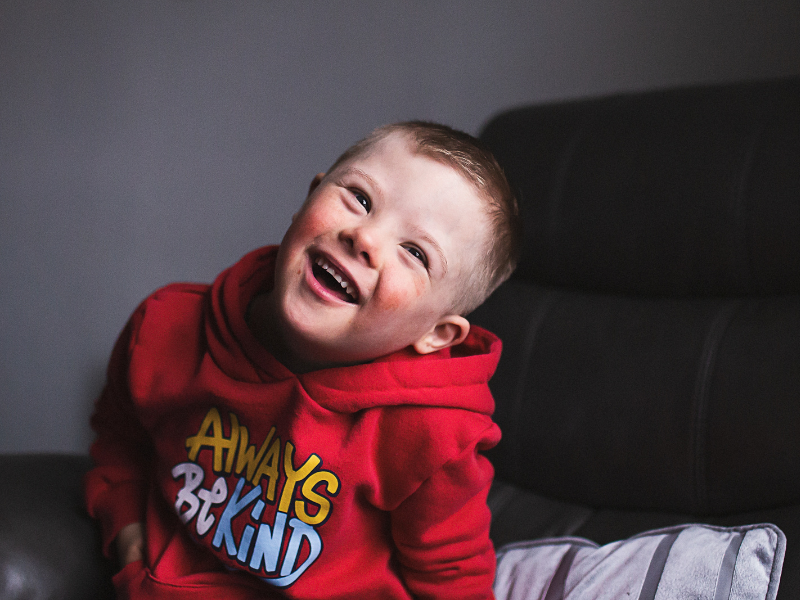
(130, 543)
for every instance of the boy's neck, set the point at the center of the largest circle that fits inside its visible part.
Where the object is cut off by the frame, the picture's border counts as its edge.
(260, 322)
(260, 319)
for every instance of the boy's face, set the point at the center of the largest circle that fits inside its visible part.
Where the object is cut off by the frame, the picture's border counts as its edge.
(374, 259)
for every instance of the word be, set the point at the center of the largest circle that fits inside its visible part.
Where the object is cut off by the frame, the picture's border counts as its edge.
(264, 539)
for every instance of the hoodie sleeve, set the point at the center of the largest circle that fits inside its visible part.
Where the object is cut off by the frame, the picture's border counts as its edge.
(116, 487)
(442, 530)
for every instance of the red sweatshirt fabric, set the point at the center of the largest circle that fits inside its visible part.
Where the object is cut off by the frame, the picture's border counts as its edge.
(253, 482)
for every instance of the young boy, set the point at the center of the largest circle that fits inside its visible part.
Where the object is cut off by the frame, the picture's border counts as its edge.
(310, 425)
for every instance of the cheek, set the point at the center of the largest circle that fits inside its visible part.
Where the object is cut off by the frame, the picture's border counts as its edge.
(392, 301)
(311, 222)
(403, 295)
(309, 225)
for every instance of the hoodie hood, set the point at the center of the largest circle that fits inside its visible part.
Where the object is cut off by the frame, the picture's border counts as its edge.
(401, 378)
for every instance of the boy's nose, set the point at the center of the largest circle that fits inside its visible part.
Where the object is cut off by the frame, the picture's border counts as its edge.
(364, 242)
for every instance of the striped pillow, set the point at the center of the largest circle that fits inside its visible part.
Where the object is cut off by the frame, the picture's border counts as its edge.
(701, 562)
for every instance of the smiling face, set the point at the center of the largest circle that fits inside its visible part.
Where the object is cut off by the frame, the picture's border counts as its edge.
(373, 261)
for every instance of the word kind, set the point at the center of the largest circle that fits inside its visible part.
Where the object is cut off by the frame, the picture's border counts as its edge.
(265, 475)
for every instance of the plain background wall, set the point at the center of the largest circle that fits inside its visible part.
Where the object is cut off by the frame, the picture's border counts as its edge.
(147, 141)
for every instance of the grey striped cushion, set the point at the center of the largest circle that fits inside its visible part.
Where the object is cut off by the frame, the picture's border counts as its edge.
(701, 562)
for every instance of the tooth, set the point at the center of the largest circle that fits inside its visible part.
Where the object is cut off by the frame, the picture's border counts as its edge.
(337, 277)
(344, 284)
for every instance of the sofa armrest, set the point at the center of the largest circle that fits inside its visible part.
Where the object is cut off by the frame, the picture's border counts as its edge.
(49, 547)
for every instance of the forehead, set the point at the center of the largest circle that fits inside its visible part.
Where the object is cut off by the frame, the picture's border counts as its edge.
(397, 155)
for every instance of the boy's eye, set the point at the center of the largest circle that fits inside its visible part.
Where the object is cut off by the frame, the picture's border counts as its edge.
(362, 200)
(418, 254)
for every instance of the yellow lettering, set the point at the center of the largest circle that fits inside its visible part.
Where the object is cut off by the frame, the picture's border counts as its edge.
(216, 440)
(266, 463)
(309, 493)
(247, 456)
(269, 468)
(233, 442)
(293, 477)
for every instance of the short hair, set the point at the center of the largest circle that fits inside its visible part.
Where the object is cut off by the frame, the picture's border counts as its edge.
(474, 161)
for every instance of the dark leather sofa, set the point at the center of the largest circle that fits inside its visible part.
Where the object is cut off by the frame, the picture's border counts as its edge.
(651, 371)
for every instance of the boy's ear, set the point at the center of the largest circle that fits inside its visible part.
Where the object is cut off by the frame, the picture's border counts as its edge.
(449, 331)
(315, 182)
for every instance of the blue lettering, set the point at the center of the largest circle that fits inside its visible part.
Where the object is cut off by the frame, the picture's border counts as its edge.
(268, 544)
(300, 530)
(244, 545)
(234, 507)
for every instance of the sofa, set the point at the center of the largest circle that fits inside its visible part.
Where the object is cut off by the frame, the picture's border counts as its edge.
(651, 367)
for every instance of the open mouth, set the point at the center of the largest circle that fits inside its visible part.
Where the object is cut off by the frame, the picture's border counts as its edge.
(333, 280)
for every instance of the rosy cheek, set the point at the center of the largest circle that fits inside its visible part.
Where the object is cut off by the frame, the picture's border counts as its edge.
(312, 223)
(392, 301)
(402, 295)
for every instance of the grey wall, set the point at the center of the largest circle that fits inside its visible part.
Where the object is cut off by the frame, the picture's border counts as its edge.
(146, 141)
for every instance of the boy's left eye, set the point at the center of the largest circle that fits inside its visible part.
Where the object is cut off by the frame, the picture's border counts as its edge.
(362, 200)
(418, 254)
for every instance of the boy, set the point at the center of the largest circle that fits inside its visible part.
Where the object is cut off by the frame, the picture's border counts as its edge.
(310, 425)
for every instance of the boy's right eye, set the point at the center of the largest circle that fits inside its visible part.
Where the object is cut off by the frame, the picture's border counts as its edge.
(362, 199)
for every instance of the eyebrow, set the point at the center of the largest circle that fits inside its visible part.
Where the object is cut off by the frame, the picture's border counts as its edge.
(360, 173)
(419, 232)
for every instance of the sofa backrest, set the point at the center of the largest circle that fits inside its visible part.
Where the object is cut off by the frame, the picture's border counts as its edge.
(652, 331)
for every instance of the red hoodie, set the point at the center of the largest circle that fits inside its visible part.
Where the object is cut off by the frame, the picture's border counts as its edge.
(351, 482)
